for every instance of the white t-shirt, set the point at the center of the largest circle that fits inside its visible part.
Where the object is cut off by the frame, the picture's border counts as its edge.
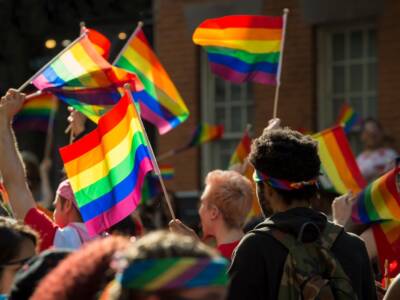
(375, 163)
(71, 236)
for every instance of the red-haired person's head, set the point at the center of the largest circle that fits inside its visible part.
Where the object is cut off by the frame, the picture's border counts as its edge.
(83, 274)
(18, 243)
(225, 203)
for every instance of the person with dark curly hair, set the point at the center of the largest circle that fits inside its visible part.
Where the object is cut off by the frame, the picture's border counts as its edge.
(18, 244)
(84, 273)
(287, 166)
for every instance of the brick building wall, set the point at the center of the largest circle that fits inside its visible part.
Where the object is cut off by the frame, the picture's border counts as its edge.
(298, 101)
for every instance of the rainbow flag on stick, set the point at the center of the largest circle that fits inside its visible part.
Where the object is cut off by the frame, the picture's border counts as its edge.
(107, 167)
(338, 161)
(99, 41)
(379, 201)
(35, 112)
(242, 150)
(206, 133)
(244, 47)
(160, 101)
(348, 118)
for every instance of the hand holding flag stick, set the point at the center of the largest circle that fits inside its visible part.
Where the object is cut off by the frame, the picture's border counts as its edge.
(127, 89)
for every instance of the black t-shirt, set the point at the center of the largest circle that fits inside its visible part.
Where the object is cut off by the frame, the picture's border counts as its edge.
(257, 264)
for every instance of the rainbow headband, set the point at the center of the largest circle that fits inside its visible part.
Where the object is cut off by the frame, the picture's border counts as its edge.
(174, 273)
(281, 183)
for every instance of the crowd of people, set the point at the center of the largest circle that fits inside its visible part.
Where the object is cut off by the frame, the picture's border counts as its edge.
(294, 252)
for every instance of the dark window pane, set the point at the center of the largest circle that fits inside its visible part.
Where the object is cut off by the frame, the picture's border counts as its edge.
(356, 44)
(338, 52)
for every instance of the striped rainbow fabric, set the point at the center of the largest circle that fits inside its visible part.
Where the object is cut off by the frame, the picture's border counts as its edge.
(106, 168)
(379, 201)
(243, 47)
(160, 101)
(100, 43)
(242, 150)
(206, 133)
(174, 273)
(348, 118)
(35, 112)
(338, 161)
(82, 66)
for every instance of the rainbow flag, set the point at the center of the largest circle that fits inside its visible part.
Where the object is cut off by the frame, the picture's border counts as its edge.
(206, 133)
(348, 118)
(242, 150)
(100, 43)
(167, 171)
(379, 201)
(338, 161)
(93, 103)
(107, 167)
(81, 66)
(160, 102)
(242, 48)
(35, 112)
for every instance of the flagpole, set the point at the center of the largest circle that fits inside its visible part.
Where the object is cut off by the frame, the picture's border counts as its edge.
(278, 75)
(139, 26)
(127, 89)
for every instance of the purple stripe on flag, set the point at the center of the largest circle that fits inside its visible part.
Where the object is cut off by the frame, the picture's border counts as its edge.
(187, 275)
(238, 77)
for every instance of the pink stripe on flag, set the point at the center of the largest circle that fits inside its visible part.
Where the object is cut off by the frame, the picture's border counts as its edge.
(40, 82)
(238, 77)
(123, 208)
(162, 125)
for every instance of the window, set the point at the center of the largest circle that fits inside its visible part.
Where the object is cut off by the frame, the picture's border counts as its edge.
(347, 71)
(223, 102)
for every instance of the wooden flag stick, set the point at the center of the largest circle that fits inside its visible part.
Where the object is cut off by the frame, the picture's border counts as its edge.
(26, 83)
(278, 74)
(127, 88)
(139, 26)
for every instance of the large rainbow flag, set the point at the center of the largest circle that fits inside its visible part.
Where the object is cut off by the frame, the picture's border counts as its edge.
(107, 167)
(81, 66)
(35, 112)
(160, 101)
(379, 201)
(338, 161)
(242, 48)
(205, 133)
(348, 118)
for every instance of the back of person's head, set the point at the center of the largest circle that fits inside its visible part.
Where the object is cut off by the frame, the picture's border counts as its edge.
(232, 194)
(18, 244)
(288, 155)
(28, 277)
(83, 274)
(190, 265)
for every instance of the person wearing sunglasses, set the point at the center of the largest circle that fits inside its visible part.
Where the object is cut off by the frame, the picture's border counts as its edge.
(18, 243)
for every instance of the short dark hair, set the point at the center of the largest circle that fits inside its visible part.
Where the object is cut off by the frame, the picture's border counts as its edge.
(12, 235)
(289, 155)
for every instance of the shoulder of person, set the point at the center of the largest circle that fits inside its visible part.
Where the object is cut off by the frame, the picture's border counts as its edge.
(350, 239)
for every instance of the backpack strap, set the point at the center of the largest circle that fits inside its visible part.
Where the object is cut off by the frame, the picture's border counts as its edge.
(329, 235)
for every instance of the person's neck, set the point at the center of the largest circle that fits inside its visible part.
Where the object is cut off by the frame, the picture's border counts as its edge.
(294, 204)
(225, 235)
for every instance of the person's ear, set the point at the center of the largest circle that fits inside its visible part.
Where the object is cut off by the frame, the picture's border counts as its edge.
(214, 212)
(67, 205)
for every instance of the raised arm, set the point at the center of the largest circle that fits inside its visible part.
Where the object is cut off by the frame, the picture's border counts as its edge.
(11, 166)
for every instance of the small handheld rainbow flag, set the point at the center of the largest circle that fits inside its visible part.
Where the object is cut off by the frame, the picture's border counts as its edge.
(242, 150)
(243, 48)
(107, 167)
(338, 161)
(348, 118)
(167, 171)
(35, 112)
(80, 65)
(379, 201)
(206, 133)
(160, 101)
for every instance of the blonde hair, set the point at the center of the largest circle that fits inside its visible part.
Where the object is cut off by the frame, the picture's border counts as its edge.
(232, 193)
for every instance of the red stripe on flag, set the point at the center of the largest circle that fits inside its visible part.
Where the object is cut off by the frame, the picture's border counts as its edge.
(243, 21)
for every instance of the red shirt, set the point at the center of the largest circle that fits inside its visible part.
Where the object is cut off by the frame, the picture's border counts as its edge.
(226, 250)
(46, 228)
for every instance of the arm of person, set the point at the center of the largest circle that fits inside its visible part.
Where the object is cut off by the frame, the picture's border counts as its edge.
(11, 165)
(178, 227)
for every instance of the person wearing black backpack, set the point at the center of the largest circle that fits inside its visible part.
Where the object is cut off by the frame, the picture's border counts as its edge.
(296, 253)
